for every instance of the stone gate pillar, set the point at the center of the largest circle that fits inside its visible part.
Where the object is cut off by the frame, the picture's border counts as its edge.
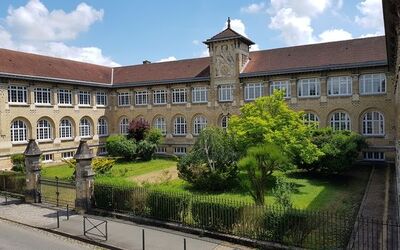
(83, 177)
(32, 168)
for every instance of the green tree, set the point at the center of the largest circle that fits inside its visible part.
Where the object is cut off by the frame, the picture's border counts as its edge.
(259, 163)
(270, 120)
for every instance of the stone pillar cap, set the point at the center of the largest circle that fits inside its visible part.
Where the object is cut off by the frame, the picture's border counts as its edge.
(83, 152)
(32, 149)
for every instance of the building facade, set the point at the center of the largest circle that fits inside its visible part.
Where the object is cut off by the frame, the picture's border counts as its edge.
(345, 85)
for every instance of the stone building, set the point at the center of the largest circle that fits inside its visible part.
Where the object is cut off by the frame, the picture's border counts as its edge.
(343, 84)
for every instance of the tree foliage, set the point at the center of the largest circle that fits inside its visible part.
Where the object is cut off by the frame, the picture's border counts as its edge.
(270, 120)
(120, 146)
(259, 163)
(137, 129)
(211, 164)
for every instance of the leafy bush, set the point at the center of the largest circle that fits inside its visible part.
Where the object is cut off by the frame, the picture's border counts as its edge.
(138, 129)
(145, 150)
(153, 136)
(167, 206)
(120, 146)
(12, 182)
(215, 216)
(18, 162)
(102, 165)
(211, 164)
(340, 150)
(282, 192)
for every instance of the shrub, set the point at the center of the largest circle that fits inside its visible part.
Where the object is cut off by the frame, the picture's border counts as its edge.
(215, 216)
(138, 129)
(102, 165)
(282, 192)
(12, 182)
(211, 164)
(145, 150)
(154, 136)
(340, 150)
(167, 206)
(120, 146)
(18, 162)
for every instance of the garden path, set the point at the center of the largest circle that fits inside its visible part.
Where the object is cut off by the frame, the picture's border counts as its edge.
(157, 176)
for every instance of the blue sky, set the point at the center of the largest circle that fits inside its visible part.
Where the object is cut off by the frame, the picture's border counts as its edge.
(127, 32)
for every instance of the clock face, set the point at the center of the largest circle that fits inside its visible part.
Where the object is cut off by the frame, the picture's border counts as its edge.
(224, 61)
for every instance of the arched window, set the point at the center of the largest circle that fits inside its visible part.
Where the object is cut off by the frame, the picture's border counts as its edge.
(124, 126)
(43, 130)
(373, 123)
(199, 123)
(102, 127)
(159, 123)
(311, 119)
(340, 121)
(19, 131)
(224, 122)
(180, 127)
(65, 129)
(84, 128)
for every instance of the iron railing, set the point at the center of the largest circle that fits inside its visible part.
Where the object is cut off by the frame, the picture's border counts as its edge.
(58, 193)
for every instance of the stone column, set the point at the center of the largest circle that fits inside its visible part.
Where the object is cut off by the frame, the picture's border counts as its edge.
(83, 177)
(32, 166)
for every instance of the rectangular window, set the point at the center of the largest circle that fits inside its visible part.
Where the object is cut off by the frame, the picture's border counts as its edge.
(161, 150)
(42, 96)
(160, 96)
(17, 94)
(48, 157)
(199, 95)
(374, 156)
(124, 99)
(252, 91)
(180, 150)
(101, 99)
(309, 87)
(64, 97)
(102, 151)
(339, 86)
(141, 97)
(67, 155)
(282, 86)
(225, 93)
(373, 84)
(179, 96)
(84, 98)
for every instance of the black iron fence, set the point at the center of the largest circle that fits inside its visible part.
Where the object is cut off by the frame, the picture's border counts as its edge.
(58, 193)
(291, 227)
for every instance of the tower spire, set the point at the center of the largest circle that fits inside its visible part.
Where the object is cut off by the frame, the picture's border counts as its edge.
(229, 22)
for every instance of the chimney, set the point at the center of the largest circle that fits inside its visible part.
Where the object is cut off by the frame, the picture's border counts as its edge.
(146, 62)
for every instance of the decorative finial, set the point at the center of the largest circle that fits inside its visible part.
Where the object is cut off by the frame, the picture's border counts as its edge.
(229, 22)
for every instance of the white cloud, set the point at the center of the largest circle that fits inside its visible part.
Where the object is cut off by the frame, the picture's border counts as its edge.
(334, 35)
(371, 15)
(301, 8)
(168, 59)
(253, 8)
(254, 47)
(196, 42)
(238, 26)
(33, 28)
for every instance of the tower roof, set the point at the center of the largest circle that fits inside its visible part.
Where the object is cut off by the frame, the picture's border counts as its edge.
(228, 34)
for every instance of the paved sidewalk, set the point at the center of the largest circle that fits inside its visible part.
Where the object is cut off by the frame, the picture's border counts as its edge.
(121, 234)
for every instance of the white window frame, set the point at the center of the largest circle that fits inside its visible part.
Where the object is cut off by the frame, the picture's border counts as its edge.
(124, 99)
(374, 156)
(44, 130)
(102, 151)
(180, 150)
(48, 157)
(282, 86)
(84, 98)
(160, 96)
(372, 84)
(64, 97)
(101, 99)
(17, 94)
(340, 86)
(199, 95)
(124, 126)
(340, 120)
(373, 124)
(161, 150)
(141, 97)
(199, 123)
(42, 96)
(102, 127)
(224, 123)
(179, 95)
(310, 118)
(67, 155)
(85, 128)
(180, 126)
(310, 87)
(160, 124)
(19, 132)
(225, 93)
(253, 91)
(66, 129)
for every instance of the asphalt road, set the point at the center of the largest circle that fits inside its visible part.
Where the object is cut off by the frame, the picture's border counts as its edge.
(14, 236)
